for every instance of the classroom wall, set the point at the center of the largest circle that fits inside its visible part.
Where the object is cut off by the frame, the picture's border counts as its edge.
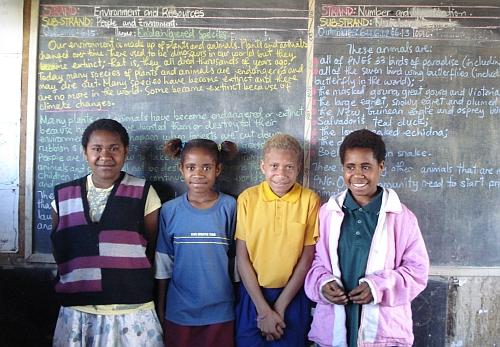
(10, 88)
(469, 297)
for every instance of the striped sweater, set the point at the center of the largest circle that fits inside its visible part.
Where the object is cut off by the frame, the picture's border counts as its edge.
(104, 262)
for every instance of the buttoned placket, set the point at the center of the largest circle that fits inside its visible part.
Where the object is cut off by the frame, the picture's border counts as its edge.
(279, 211)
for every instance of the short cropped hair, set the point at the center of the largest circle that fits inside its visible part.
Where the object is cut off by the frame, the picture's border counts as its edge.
(364, 138)
(284, 142)
(110, 125)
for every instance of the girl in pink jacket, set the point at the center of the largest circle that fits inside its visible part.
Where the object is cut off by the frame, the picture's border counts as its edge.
(370, 260)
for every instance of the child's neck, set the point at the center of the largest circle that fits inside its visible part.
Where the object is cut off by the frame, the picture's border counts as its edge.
(102, 184)
(202, 201)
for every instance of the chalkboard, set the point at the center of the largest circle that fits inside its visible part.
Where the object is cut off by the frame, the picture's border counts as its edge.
(427, 78)
(217, 70)
(424, 76)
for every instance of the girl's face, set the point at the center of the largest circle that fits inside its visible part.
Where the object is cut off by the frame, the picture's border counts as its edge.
(281, 168)
(362, 174)
(105, 154)
(200, 170)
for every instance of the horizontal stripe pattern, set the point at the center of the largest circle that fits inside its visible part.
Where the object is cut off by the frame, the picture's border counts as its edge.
(120, 243)
(201, 240)
(70, 192)
(121, 250)
(71, 220)
(103, 263)
(80, 286)
(122, 237)
(70, 209)
(81, 275)
(80, 280)
(70, 206)
(130, 191)
(131, 187)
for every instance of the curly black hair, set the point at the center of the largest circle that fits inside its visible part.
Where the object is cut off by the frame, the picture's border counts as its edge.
(364, 138)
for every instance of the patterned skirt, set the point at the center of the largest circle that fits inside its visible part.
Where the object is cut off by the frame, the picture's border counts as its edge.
(79, 329)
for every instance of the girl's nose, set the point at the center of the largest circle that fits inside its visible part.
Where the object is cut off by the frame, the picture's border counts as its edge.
(358, 171)
(105, 153)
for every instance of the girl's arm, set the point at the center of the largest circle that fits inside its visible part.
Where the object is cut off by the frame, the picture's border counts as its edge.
(151, 226)
(321, 272)
(296, 280)
(163, 265)
(162, 294)
(269, 321)
(55, 218)
(399, 286)
(303, 265)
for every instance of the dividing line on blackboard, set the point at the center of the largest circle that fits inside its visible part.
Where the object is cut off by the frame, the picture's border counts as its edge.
(308, 119)
(420, 17)
(195, 7)
(240, 18)
(483, 27)
(236, 29)
(415, 6)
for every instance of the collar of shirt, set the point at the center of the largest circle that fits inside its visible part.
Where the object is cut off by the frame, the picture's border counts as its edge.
(372, 207)
(292, 196)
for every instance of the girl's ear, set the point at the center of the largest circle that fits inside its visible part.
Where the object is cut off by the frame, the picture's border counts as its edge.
(218, 169)
(381, 165)
(84, 153)
(262, 167)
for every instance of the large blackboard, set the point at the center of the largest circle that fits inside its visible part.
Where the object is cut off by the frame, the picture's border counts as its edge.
(217, 70)
(425, 76)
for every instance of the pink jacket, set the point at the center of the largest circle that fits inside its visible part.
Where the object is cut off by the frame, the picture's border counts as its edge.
(396, 272)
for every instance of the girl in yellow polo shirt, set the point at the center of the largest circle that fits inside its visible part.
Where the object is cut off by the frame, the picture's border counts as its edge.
(277, 227)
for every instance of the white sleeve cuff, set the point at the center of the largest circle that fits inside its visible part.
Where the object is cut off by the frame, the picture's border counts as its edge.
(164, 266)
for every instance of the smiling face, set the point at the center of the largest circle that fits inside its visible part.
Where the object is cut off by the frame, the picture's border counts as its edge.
(199, 170)
(362, 173)
(281, 168)
(105, 154)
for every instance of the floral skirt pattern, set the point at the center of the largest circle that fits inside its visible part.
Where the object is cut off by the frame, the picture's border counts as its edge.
(78, 329)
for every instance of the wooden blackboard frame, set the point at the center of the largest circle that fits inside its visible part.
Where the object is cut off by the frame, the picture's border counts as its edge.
(29, 253)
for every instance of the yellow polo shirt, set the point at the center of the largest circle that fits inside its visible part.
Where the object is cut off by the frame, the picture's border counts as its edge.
(276, 230)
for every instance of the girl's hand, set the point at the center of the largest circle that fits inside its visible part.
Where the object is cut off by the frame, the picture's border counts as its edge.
(362, 294)
(271, 325)
(333, 293)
